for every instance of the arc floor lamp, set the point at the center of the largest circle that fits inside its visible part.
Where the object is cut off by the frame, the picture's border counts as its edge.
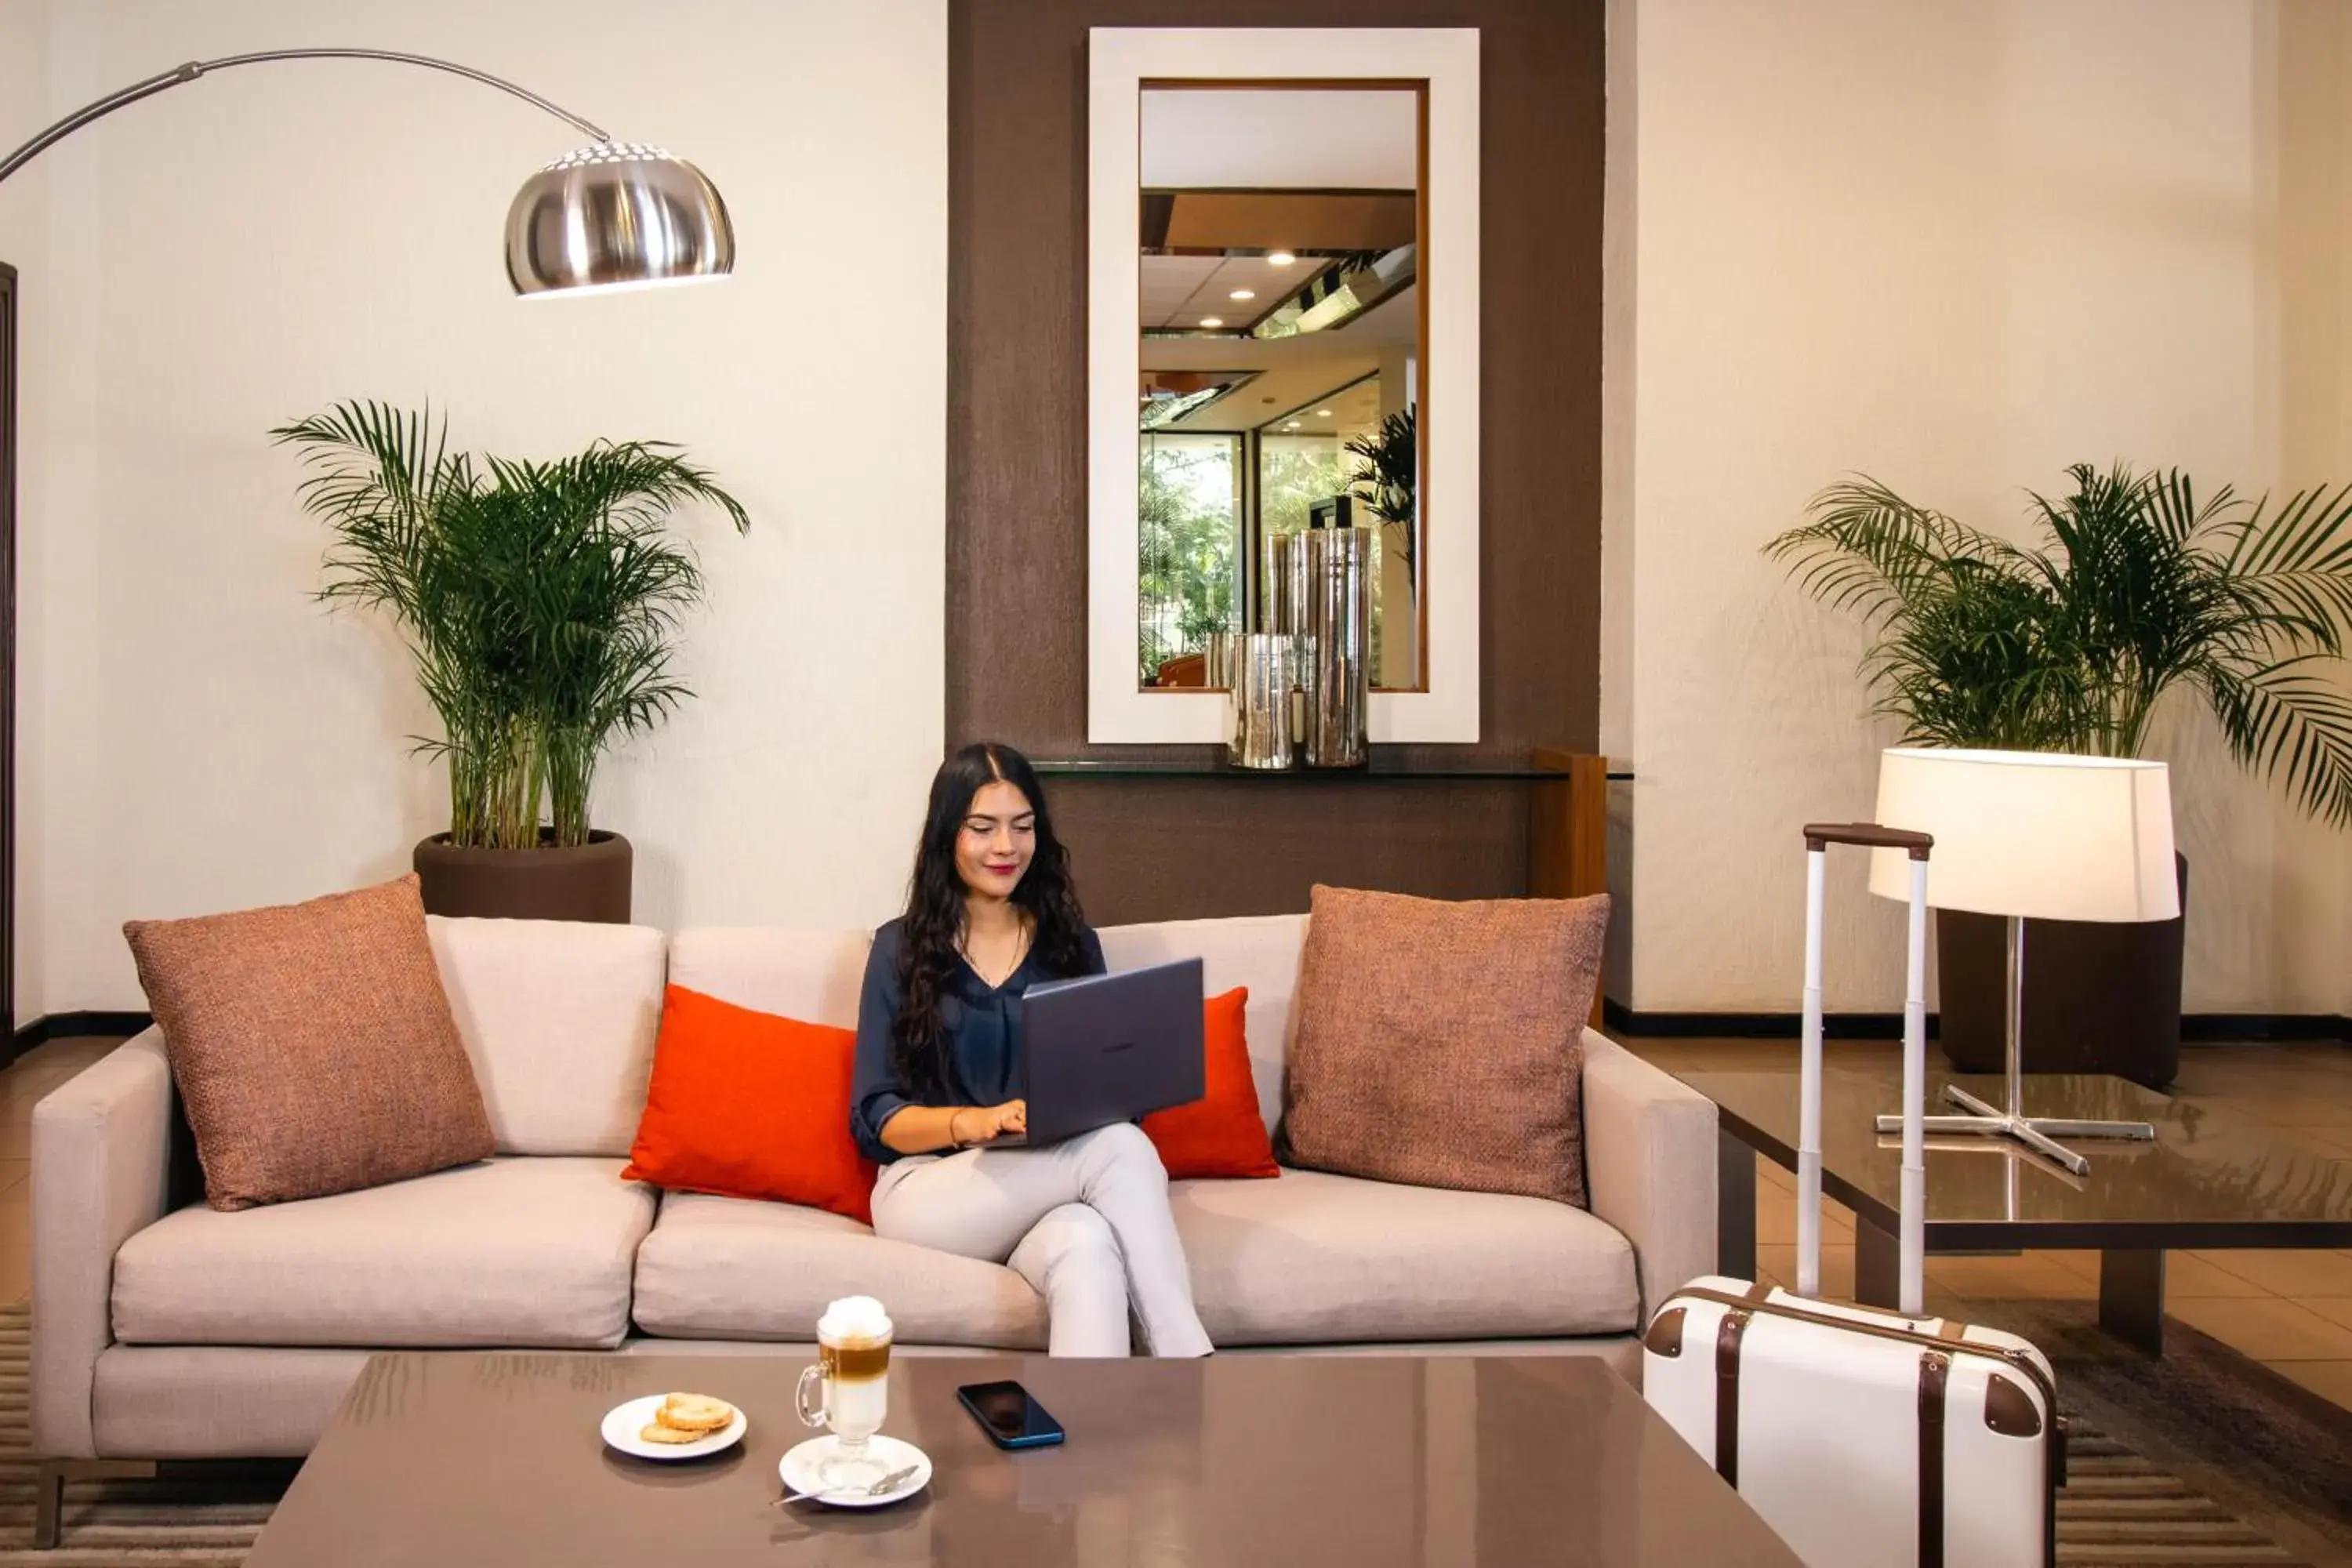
(609, 216)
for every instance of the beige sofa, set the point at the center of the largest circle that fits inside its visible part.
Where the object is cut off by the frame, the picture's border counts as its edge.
(162, 1330)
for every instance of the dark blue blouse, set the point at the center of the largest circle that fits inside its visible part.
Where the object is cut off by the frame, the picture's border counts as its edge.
(982, 1027)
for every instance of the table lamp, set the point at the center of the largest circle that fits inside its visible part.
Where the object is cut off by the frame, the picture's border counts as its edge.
(2030, 834)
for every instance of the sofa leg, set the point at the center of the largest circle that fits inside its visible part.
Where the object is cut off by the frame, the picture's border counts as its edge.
(49, 1499)
(49, 1489)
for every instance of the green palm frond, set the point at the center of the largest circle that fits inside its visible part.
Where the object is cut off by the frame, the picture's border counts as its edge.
(542, 600)
(2141, 584)
(2287, 718)
(1867, 549)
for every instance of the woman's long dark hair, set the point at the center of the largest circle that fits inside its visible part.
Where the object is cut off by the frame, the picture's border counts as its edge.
(928, 947)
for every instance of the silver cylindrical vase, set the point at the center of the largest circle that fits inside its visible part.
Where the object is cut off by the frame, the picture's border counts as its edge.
(1258, 730)
(1282, 607)
(1217, 654)
(1282, 592)
(1337, 615)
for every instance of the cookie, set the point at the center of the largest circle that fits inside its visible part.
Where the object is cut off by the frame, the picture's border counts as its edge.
(657, 1433)
(696, 1413)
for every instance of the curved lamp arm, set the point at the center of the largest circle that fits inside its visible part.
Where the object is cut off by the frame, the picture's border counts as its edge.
(194, 68)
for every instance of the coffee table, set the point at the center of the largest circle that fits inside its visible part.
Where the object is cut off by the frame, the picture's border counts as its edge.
(2211, 1179)
(455, 1459)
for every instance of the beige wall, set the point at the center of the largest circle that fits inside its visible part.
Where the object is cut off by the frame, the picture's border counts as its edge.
(24, 201)
(198, 734)
(2309, 47)
(1959, 246)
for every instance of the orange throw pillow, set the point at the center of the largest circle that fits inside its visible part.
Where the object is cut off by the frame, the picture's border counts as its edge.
(1221, 1133)
(750, 1105)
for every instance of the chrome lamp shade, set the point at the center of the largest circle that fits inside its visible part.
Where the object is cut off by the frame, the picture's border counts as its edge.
(616, 214)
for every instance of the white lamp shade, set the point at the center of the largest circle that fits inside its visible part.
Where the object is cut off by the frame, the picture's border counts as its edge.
(2036, 833)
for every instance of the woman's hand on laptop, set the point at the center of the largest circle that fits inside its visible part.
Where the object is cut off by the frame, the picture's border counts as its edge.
(984, 1124)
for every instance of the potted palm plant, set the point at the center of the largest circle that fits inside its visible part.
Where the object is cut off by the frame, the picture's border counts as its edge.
(541, 603)
(2137, 587)
(1385, 478)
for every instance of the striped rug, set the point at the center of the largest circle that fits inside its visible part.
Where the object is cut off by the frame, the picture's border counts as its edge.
(2118, 1510)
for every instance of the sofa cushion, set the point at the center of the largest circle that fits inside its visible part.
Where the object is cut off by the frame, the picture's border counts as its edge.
(739, 1268)
(1259, 952)
(1317, 1257)
(532, 1252)
(808, 974)
(559, 1017)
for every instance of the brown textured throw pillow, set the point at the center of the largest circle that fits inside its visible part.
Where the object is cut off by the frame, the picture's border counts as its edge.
(313, 1044)
(1441, 1044)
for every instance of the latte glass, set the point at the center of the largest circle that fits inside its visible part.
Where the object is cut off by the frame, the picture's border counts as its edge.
(848, 1390)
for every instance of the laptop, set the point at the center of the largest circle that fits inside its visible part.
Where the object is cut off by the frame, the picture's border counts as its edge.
(1109, 1048)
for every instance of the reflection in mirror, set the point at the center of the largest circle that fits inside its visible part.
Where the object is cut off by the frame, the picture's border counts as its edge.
(1282, 250)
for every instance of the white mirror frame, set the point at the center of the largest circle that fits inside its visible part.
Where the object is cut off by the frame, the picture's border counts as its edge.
(1119, 61)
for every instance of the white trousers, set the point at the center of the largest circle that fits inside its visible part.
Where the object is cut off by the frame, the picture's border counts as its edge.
(1084, 1221)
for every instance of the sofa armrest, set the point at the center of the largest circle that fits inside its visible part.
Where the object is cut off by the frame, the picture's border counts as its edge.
(101, 1161)
(1649, 1165)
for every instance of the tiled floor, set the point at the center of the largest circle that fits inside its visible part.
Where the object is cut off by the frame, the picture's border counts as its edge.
(2291, 1311)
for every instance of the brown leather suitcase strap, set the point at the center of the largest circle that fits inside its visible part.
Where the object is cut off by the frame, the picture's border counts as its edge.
(1935, 1373)
(1727, 1394)
(2016, 1361)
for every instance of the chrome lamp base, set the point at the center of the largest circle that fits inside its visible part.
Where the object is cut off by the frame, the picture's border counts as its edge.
(2039, 1134)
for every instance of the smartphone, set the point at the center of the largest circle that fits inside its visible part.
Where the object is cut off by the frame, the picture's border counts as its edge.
(1009, 1416)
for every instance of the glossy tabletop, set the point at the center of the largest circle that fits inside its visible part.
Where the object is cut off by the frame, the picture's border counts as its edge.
(2209, 1179)
(454, 1460)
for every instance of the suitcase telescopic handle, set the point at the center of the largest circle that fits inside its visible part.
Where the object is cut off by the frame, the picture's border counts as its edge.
(1869, 835)
(1819, 836)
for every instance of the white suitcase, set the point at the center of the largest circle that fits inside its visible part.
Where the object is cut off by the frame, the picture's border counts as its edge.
(1866, 1439)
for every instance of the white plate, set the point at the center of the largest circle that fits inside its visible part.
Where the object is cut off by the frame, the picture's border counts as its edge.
(623, 1422)
(799, 1471)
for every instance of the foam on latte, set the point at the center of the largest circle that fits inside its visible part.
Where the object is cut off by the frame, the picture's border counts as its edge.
(854, 1321)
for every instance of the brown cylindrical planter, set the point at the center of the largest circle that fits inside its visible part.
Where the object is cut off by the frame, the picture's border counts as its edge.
(584, 882)
(2099, 996)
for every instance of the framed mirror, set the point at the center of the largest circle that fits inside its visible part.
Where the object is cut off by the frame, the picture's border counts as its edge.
(1282, 336)
(1280, 333)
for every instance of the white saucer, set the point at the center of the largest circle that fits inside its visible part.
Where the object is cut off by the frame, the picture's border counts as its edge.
(799, 1471)
(623, 1422)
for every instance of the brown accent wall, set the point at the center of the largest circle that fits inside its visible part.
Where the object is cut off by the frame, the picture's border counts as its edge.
(8, 648)
(1017, 453)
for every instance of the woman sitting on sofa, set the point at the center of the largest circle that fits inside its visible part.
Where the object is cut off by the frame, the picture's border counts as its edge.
(990, 911)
